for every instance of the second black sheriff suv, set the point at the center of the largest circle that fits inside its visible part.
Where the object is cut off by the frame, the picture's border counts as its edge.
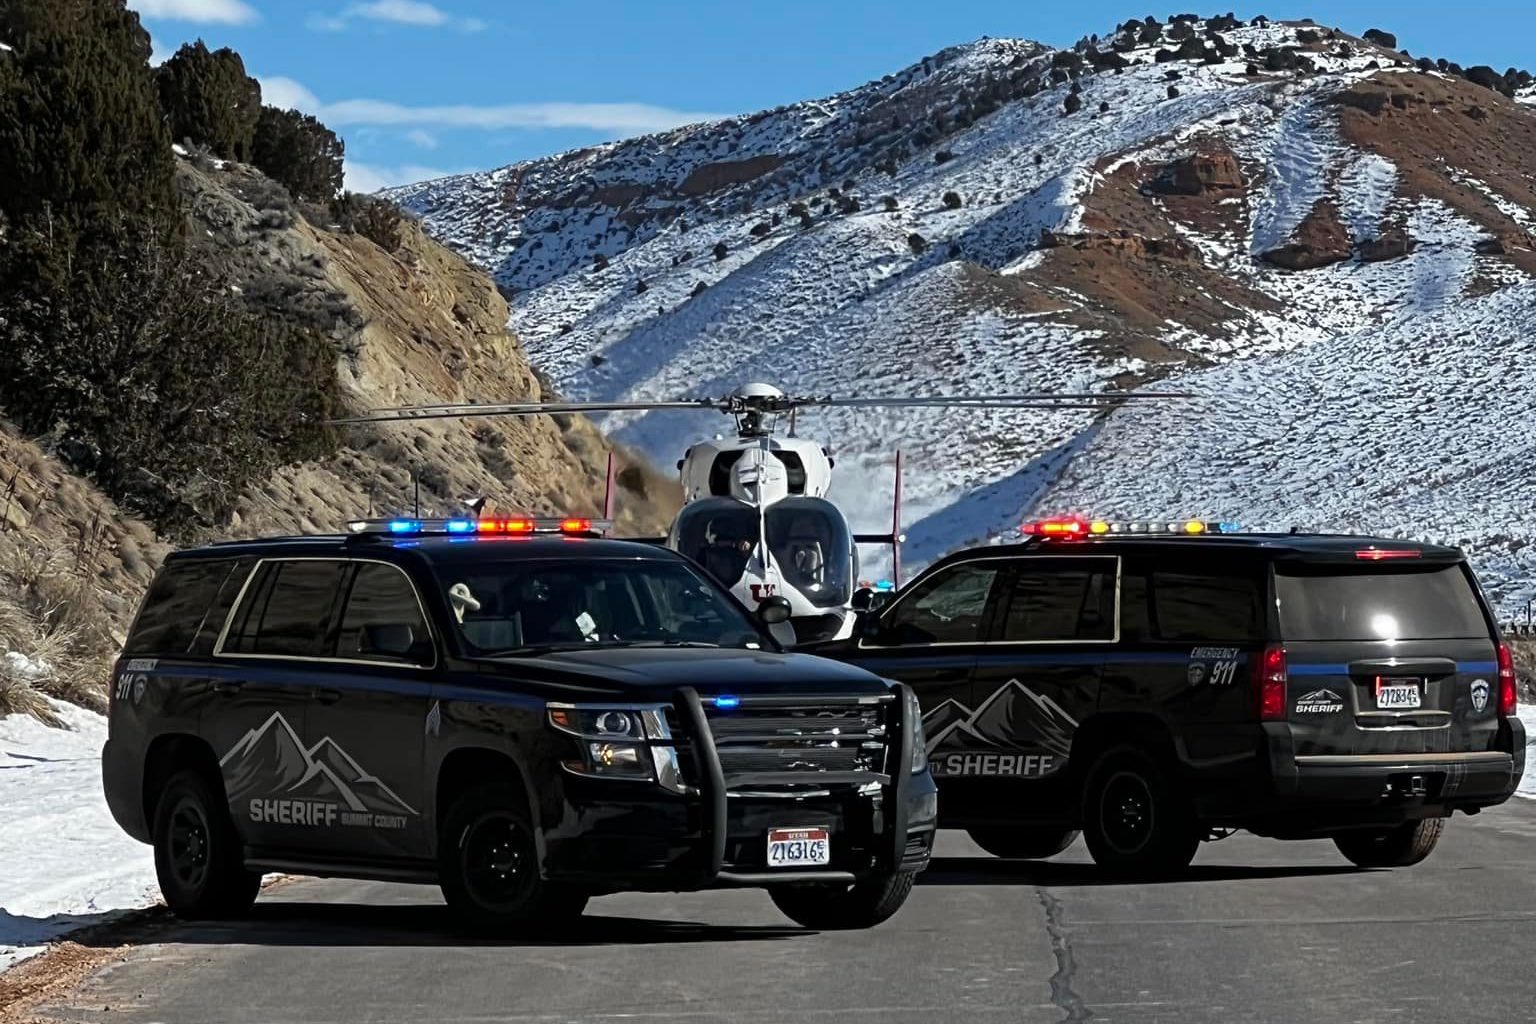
(517, 710)
(1156, 685)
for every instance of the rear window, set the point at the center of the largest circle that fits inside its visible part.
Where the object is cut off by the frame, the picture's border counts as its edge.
(176, 605)
(287, 610)
(1409, 604)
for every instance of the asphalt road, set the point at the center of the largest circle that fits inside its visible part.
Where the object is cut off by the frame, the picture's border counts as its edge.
(1261, 931)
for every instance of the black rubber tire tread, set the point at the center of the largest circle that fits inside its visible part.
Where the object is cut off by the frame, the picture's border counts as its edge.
(1174, 837)
(228, 889)
(828, 908)
(1023, 842)
(1398, 847)
(547, 906)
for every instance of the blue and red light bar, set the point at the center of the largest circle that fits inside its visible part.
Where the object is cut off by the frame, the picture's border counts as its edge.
(570, 526)
(1077, 528)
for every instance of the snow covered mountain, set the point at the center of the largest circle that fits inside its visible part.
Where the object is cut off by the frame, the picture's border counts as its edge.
(1327, 239)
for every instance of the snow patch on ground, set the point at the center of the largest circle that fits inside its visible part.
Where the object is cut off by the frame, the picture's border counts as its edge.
(67, 864)
(1366, 189)
(20, 666)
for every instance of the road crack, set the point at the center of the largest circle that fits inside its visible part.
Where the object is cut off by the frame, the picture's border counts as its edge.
(1062, 993)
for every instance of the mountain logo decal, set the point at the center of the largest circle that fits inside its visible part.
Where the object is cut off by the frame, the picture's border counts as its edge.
(280, 780)
(1014, 732)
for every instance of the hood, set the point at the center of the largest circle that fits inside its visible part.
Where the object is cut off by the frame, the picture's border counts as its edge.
(655, 673)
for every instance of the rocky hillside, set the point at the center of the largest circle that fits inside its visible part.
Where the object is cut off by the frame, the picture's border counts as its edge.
(415, 325)
(1328, 238)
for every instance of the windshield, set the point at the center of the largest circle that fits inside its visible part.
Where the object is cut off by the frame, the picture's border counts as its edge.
(503, 607)
(807, 537)
(1410, 604)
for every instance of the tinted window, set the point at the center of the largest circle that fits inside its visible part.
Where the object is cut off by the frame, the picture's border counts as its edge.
(176, 605)
(511, 606)
(1060, 604)
(287, 609)
(945, 608)
(1206, 607)
(1412, 604)
(383, 620)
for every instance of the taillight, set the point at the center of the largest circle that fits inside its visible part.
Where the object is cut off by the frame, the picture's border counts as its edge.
(1271, 684)
(1507, 697)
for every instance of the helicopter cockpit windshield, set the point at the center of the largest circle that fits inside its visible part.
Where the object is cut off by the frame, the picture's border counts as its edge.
(807, 537)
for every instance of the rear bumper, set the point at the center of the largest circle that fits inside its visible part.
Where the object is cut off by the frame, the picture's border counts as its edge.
(1314, 793)
(617, 836)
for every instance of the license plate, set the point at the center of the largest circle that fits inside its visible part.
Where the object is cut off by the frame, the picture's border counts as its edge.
(798, 847)
(1397, 694)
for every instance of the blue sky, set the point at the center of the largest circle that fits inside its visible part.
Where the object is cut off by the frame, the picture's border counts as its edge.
(418, 89)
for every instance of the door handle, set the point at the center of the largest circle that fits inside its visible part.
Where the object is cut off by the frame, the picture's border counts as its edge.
(325, 696)
(224, 687)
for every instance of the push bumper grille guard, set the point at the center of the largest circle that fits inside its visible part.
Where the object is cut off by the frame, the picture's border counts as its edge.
(712, 785)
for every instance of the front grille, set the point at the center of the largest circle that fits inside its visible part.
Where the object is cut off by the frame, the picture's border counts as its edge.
(801, 742)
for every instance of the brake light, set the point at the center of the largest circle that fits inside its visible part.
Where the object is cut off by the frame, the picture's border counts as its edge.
(1507, 696)
(1270, 684)
(1382, 554)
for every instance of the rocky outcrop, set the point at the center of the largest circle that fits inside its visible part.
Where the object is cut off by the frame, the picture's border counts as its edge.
(1200, 173)
(726, 173)
(1319, 241)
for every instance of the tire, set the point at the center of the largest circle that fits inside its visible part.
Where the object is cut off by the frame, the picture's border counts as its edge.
(843, 907)
(488, 867)
(1135, 821)
(198, 854)
(1022, 843)
(1396, 847)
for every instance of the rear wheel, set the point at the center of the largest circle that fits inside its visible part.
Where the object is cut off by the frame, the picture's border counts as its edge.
(488, 865)
(1020, 843)
(1135, 821)
(1396, 847)
(197, 852)
(837, 907)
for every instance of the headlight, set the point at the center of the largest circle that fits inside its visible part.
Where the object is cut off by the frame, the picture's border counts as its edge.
(914, 717)
(613, 740)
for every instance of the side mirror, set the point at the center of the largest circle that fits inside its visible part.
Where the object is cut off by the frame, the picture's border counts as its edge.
(773, 610)
(389, 638)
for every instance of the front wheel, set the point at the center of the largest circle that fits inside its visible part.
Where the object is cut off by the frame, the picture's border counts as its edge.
(1396, 847)
(488, 865)
(840, 907)
(1135, 820)
(1023, 843)
(197, 853)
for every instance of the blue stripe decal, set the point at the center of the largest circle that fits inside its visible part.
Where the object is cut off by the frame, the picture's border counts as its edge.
(1477, 666)
(1319, 669)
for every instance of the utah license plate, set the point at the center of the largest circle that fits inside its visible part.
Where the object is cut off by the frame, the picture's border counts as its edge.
(1396, 694)
(798, 847)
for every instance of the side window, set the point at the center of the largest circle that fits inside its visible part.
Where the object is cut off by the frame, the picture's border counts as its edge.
(945, 609)
(1063, 603)
(1205, 607)
(287, 609)
(383, 620)
(176, 605)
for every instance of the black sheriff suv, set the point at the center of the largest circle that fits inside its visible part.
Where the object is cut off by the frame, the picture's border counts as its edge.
(518, 710)
(1154, 685)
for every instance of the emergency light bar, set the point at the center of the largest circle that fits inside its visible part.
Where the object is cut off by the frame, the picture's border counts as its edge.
(571, 527)
(1073, 528)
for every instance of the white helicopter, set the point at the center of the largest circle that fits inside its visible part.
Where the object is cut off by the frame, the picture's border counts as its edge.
(755, 512)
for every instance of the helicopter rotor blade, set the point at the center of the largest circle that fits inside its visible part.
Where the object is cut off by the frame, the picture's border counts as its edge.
(1033, 400)
(467, 410)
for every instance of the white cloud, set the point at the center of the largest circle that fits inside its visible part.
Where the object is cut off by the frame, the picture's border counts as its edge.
(222, 12)
(415, 13)
(621, 118)
(612, 118)
(426, 140)
(286, 94)
(361, 177)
